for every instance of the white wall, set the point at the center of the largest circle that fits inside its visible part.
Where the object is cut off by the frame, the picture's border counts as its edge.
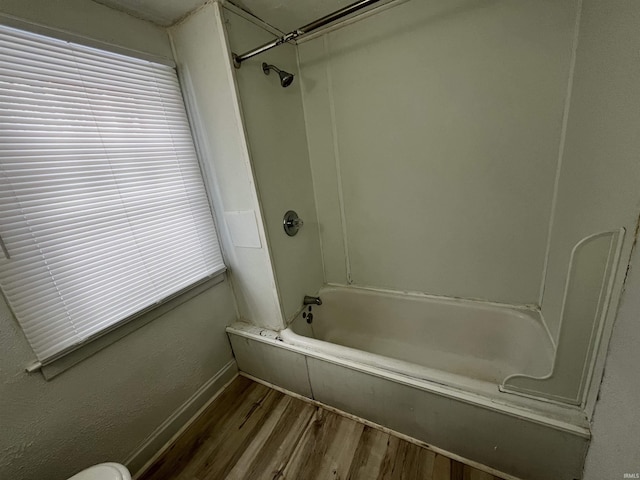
(205, 69)
(434, 131)
(94, 21)
(274, 121)
(104, 408)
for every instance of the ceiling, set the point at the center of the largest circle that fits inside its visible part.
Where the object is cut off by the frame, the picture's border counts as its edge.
(285, 15)
(162, 12)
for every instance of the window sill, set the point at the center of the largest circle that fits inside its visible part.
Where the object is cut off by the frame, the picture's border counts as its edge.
(56, 366)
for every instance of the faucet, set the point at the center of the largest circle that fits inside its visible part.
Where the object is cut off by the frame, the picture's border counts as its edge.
(309, 300)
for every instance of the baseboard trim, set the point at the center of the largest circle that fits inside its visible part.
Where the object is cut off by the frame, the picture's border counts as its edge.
(179, 420)
(453, 456)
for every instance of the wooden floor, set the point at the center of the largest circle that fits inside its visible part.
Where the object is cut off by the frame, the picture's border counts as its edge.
(253, 432)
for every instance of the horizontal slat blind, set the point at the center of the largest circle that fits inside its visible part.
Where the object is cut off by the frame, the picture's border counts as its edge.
(104, 211)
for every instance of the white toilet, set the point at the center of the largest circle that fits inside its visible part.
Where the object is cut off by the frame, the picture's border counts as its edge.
(104, 471)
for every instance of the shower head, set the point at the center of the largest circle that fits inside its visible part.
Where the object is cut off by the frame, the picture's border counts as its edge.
(286, 78)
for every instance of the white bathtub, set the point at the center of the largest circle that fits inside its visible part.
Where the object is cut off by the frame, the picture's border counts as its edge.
(461, 343)
(429, 368)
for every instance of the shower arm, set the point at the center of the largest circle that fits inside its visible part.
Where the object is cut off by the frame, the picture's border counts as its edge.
(308, 28)
(266, 68)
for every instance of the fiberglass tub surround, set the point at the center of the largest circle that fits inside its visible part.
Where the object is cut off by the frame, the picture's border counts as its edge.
(473, 345)
(454, 175)
(458, 342)
(420, 189)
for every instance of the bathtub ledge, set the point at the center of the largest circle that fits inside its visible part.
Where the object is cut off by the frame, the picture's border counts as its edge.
(566, 419)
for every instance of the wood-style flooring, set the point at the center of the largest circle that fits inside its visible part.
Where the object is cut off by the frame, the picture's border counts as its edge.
(253, 432)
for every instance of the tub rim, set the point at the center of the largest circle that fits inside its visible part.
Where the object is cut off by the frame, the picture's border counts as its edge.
(565, 418)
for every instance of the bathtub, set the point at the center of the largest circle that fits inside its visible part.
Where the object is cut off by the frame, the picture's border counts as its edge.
(429, 368)
(461, 343)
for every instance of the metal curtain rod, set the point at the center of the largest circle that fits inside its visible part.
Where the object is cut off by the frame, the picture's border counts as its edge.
(310, 27)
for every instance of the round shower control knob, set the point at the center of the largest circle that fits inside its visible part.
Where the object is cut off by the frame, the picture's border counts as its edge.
(291, 223)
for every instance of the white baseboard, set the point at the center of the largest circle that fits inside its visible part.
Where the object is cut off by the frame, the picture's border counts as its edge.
(179, 420)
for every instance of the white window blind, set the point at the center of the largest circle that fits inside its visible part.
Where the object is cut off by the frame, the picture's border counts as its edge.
(103, 207)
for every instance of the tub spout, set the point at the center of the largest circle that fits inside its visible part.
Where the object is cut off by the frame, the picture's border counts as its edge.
(308, 300)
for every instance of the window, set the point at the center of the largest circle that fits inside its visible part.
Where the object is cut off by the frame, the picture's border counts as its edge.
(104, 213)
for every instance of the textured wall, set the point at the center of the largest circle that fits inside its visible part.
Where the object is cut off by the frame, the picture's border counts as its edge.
(437, 126)
(274, 121)
(94, 21)
(104, 408)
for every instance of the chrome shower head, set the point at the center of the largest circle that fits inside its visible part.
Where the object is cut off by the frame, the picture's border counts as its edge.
(286, 78)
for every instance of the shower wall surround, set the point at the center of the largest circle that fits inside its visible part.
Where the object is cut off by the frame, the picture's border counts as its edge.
(607, 89)
(464, 149)
(274, 124)
(434, 130)
(600, 172)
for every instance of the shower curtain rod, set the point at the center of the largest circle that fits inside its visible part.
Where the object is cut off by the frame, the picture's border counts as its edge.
(321, 22)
